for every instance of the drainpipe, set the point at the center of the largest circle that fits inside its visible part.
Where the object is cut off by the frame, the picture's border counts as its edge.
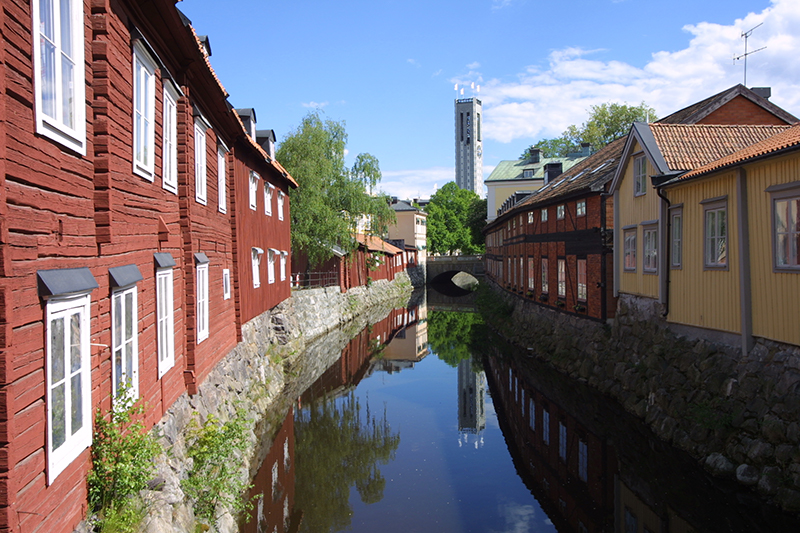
(666, 264)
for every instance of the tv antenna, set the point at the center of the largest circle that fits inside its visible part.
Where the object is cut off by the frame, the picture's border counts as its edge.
(746, 35)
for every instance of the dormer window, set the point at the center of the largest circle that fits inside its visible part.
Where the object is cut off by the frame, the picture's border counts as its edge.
(527, 174)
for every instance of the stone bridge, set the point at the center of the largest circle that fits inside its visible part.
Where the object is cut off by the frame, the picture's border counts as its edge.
(444, 267)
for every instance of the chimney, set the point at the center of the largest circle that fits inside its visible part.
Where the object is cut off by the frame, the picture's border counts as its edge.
(535, 155)
(586, 149)
(763, 92)
(551, 172)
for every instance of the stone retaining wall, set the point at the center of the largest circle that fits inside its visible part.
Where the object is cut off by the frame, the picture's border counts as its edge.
(737, 415)
(283, 351)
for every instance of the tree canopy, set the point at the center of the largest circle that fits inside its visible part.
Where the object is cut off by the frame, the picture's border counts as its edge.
(455, 219)
(331, 199)
(606, 123)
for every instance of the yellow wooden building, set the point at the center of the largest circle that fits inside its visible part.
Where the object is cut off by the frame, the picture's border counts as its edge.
(696, 228)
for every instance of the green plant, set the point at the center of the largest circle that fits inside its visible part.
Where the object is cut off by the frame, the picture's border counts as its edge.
(122, 464)
(543, 297)
(579, 308)
(214, 478)
(560, 303)
(369, 281)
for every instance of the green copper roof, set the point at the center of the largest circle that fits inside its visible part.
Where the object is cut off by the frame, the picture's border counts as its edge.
(514, 170)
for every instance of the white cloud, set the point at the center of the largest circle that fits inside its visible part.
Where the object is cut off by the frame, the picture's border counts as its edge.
(543, 101)
(413, 62)
(415, 183)
(500, 4)
(314, 105)
(518, 517)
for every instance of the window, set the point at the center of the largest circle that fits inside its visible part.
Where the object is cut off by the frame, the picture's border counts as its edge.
(226, 284)
(200, 162)
(59, 76)
(544, 275)
(222, 180)
(527, 174)
(532, 414)
(530, 217)
(562, 441)
(582, 292)
(268, 190)
(716, 235)
(69, 418)
(124, 341)
(531, 274)
(255, 257)
(144, 103)
(676, 229)
(560, 212)
(787, 231)
(583, 460)
(281, 198)
(629, 249)
(631, 522)
(580, 208)
(283, 265)
(169, 163)
(544, 215)
(639, 175)
(202, 302)
(562, 278)
(546, 426)
(650, 237)
(254, 190)
(271, 265)
(165, 317)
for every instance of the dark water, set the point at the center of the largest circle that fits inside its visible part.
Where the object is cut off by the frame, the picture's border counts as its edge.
(429, 424)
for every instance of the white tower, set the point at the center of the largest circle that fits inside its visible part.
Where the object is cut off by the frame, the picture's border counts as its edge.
(469, 147)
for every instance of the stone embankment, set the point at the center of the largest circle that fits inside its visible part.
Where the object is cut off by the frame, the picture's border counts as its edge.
(738, 415)
(282, 353)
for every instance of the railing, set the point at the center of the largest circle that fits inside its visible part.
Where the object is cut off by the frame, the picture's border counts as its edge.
(451, 258)
(310, 280)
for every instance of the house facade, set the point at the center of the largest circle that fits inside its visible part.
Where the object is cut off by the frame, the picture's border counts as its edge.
(121, 234)
(707, 213)
(411, 226)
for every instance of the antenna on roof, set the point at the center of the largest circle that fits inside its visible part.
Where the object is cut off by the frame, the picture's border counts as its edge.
(746, 35)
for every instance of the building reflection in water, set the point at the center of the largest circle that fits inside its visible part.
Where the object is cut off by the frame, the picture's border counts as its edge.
(471, 403)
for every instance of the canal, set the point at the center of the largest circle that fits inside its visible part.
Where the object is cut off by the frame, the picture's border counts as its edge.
(429, 423)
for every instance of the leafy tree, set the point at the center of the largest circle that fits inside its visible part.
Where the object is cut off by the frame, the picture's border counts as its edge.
(606, 123)
(452, 334)
(338, 446)
(455, 218)
(331, 199)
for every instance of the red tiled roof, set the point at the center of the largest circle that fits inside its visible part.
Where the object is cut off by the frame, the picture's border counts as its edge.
(689, 146)
(374, 244)
(787, 138)
(257, 147)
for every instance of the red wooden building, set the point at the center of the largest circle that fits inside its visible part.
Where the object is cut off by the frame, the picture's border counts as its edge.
(125, 179)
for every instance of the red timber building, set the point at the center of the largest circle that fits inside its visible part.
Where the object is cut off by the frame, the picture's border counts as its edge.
(555, 246)
(132, 210)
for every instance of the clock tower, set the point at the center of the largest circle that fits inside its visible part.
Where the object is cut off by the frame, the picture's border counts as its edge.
(469, 146)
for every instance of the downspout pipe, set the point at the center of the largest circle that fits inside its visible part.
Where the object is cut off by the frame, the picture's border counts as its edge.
(667, 269)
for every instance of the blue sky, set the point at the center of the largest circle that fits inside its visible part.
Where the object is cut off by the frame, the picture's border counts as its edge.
(388, 67)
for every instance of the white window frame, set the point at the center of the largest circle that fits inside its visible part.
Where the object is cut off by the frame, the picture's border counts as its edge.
(144, 110)
(532, 414)
(281, 198)
(715, 237)
(531, 273)
(580, 208)
(562, 278)
(581, 267)
(120, 343)
(545, 275)
(269, 189)
(786, 199)
(546, 426)
(169, 153)
(284, 256)
(222, 180)
(200, 164)
(51, 124)
(255, 262)
(530, 217)
(629, 250)
(165, 319)
(226, 284)
(202, 302)
(562, 441)
(650, 249)
(544, 214)
(254, 178)
(271, 265)
(583, 460)
(74, 442)
(639, 175)
(676, 237)
(561, 212)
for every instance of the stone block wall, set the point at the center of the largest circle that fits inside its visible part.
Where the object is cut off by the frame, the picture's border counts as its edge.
(737, 415)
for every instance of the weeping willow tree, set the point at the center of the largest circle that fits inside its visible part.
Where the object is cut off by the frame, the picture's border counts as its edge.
(339, 445)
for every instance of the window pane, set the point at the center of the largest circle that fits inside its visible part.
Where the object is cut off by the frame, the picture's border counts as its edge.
(117, 320)
(59, 429)
(77, 403)
(128, 315)
(67, 92)
(66, 27)
(117, 369)
(56, 350)
(48, 78)
(75, 342)
(47, 14)
(128, 362)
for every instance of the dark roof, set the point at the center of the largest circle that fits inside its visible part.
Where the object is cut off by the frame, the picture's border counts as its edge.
(401, 205)
(591, 174)
(247, 112)
(263, 135)
(697, 112)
